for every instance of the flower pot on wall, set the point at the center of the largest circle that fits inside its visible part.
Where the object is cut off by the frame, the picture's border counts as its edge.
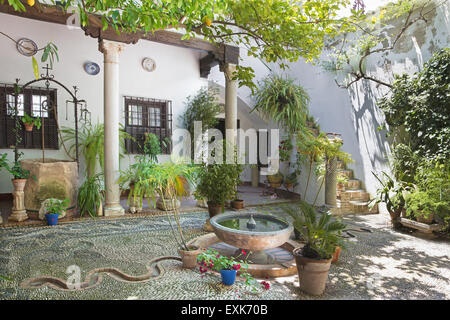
(312, 273)
(228, 276)
(28, 127)
(189, 257)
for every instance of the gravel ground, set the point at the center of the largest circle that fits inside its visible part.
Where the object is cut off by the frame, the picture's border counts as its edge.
(382, 264)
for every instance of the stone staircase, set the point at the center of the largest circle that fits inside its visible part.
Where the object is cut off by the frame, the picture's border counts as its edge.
(351, 199)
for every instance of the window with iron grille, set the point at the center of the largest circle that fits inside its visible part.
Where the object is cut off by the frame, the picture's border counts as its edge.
(144, 115)
(36, 102)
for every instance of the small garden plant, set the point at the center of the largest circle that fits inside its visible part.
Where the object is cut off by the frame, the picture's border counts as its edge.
(57, 206)
(213, 260)
(27, 119)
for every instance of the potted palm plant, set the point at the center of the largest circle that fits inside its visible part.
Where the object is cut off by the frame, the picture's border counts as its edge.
(29, 122)
(322, 236)
(391, 192)
(53, 209)
(166, 181)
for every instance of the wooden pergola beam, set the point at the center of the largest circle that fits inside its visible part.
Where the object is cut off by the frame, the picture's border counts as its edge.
(54, 14)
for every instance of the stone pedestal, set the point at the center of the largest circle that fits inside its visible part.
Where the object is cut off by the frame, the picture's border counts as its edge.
(18, 211)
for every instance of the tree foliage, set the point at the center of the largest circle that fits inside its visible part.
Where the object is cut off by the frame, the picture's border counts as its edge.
(274, 30)
(421, 105)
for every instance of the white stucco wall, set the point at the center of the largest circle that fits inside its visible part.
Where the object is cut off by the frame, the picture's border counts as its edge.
(176, 76)
(353, 112)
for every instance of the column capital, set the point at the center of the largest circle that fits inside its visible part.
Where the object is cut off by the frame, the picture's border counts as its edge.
(228, 69)
(111, 50)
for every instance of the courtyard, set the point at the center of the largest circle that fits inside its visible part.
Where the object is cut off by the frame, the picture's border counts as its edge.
(380, 264)
(234, 150)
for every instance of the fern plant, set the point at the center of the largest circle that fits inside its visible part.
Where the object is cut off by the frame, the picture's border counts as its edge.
(284, 101)
(91, 141)
(322, 234)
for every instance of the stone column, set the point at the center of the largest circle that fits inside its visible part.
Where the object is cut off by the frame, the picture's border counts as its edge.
(111, 51)
(230, 102)
(255, 176)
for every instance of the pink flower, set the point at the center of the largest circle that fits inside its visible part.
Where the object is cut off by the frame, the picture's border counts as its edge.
(243, 252)
(266, 285)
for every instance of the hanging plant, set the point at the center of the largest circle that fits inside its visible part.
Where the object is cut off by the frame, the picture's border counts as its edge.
(282, 100)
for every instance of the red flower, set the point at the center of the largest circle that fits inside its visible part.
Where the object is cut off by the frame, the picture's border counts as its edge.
(266, 285)
(236, 266)
(203, 270)
(243, 252)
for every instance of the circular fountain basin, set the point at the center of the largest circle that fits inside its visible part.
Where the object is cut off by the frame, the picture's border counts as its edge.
(269, 231)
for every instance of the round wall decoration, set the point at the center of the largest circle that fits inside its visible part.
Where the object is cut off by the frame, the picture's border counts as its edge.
(148, 64)
(27, 47)
(91, 68)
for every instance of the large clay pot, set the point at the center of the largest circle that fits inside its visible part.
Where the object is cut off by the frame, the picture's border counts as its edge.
(189, 257)
(214, 209)
(28, 127)
(312, 273)
(237, 204)
(395, 217)
(168, 204)
(428, 220)
(336, 254)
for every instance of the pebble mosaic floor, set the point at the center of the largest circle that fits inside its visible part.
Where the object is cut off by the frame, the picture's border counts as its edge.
(384, 264)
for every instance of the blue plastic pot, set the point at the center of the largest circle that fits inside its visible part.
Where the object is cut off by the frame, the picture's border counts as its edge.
(52, 218)
(228, 276)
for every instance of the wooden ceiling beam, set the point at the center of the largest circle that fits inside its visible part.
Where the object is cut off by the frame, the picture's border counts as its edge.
(53, 14)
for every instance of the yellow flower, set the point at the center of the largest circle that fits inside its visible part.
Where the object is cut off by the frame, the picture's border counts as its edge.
(31, 2)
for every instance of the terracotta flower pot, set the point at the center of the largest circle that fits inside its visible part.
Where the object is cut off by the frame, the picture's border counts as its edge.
(428, 220)
(336, 254)
(237, 204)
(312, 273)
(275, 185)
(167, 204)
(19, 184)
(189, 257)
(28, 127)
(288, 185)
(214, 209)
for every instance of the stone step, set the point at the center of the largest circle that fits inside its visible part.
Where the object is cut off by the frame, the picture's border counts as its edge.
(346, 173)
(363, 207)
(357, 195)
(353, 184)
(353, 207)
